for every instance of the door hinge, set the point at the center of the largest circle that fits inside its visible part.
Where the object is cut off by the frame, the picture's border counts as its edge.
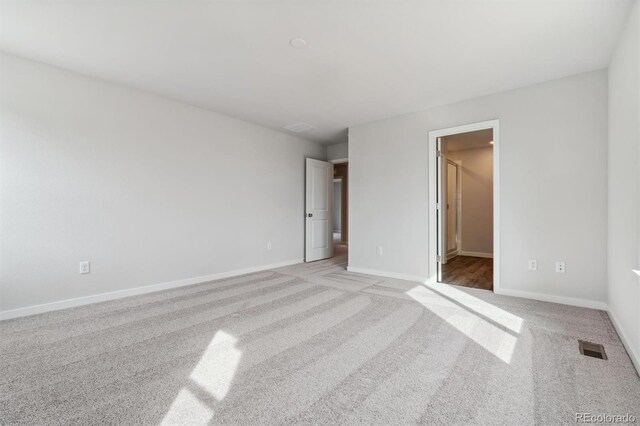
(439, 153)
(438, 258)
(437, 206)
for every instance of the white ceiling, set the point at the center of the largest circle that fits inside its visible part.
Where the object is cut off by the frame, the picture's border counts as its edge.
(365, 59)
(469, 140)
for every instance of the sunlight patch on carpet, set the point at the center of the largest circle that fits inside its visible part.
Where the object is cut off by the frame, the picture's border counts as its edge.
(469, 319)
(500, 316)
(213, 375)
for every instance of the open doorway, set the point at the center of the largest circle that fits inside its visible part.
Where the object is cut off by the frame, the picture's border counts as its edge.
(337, 210)
(340, 208)
(326, 211)
(464, 214)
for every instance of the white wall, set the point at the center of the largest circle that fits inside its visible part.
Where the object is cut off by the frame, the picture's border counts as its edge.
(338, 151)
(553, 161)
(148, 189)
(477, 199)
(624, 186)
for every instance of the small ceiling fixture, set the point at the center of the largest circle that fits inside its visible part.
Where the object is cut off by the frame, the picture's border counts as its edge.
(298, 43)
(299, 127)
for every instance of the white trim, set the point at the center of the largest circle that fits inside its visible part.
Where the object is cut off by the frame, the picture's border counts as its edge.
(432, 247)
(459, 206)
(457, 250)
(476, 254)
(635, 357)
(564, 300)
(387, 274)
(339, 160)
(102, 297)
(453, 254)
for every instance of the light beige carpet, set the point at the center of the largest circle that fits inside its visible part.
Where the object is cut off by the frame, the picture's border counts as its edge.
(312, 344)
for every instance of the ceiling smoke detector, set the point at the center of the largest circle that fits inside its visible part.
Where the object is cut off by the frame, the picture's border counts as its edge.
(299, 127)
(298, 43)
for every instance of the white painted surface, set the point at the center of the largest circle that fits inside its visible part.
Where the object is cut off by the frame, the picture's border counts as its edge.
(387, 274)
(338, 151)
(118, 294)
(476, 254)
(149, 190)
(624, 187)
(364, 60)
(441, 200)
(541, 129)
(546, 297)
(319, 210)
(453, 211)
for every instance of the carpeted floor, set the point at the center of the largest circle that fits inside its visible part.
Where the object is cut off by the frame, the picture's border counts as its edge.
(313, 344)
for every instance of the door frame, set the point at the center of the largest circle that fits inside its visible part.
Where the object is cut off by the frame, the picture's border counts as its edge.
(308, 208)
(345, 202)
(333, 206)
(432, 249)
(458, 164)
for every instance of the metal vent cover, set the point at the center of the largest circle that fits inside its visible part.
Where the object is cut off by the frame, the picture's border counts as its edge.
(594, 350)
(299, 127)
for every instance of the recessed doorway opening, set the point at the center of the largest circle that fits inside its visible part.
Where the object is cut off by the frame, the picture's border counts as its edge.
(340, 209)
(327, 210)
(463, 198)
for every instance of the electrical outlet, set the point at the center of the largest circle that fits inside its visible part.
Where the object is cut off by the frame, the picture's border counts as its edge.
(379, 250)
(533, 265)
(85, 267)
(269, 245)
(560, 267)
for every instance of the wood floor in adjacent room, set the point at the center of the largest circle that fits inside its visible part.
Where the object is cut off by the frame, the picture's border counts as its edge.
(468, 271)
(313, 344)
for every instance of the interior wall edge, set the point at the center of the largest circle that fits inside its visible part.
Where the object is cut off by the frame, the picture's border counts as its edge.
(624, 337)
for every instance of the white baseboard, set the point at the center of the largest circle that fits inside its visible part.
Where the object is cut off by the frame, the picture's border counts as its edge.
(387, 274)
(102, 297)
(573, 301)
(584, 303)
(635, 357)
(476, 254)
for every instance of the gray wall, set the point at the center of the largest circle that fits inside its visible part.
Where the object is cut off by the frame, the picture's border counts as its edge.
(148, 189)
(553, 203)
(338, 151)
(624, 186)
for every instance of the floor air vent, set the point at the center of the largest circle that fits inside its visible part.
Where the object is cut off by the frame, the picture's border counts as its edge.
(593, 350)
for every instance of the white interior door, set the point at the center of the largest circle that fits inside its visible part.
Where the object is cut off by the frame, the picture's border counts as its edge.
(441, 204)
(318, 215)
